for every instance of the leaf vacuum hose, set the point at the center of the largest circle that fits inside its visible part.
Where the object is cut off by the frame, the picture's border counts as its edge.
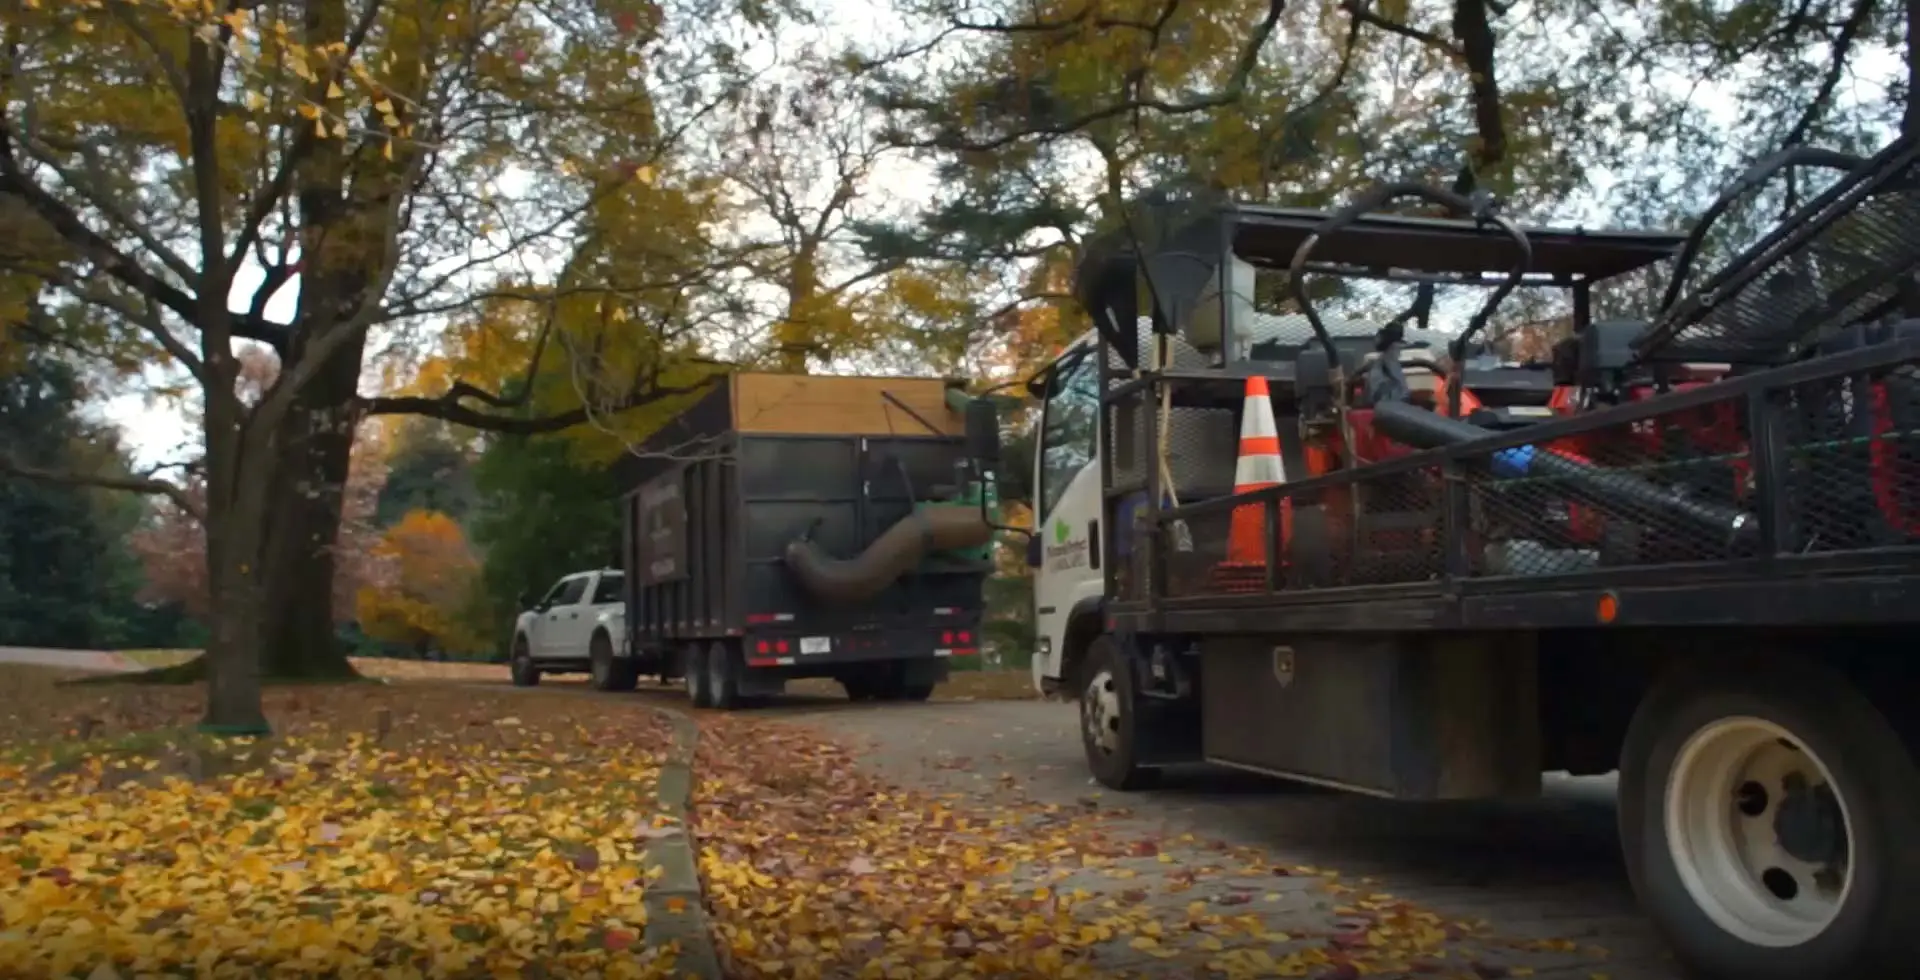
(895, 552)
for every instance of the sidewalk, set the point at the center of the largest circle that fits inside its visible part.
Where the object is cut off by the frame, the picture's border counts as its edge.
(93, 660)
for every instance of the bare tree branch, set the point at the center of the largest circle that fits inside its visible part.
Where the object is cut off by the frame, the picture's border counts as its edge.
(132, 484)
(1136, 102)
(447, 407)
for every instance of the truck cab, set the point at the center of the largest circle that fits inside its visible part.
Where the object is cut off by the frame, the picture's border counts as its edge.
(578, 621)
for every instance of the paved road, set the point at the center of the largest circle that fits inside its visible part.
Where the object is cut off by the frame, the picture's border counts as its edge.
(72, 659)
(1534, 868)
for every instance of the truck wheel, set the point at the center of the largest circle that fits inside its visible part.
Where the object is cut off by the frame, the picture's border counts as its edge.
(1763, 807)
(607, 672)
(693, 667)
(858, 688)
(520, 665)
(916, 692)
(1111, 727)
(723, 676)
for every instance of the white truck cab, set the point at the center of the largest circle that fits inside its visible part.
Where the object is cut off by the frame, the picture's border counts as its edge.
(579, 625)
(1065, 551)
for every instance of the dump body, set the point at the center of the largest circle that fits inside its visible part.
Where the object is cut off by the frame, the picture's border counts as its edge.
(767, 469)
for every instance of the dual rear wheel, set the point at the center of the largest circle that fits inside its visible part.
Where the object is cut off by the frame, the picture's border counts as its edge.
(711, 674)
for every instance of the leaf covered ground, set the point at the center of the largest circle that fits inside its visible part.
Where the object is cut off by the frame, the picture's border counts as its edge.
(437, 831)
(814, 868)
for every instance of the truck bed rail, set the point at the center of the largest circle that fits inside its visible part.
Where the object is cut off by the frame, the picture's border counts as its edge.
(1729, 479)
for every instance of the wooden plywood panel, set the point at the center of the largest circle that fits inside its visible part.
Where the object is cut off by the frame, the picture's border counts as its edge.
(796, 404)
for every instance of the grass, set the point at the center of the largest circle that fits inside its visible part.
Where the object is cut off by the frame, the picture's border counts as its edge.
(159, 658)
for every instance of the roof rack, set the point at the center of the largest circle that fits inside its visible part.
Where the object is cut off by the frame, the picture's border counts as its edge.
(1162, 264)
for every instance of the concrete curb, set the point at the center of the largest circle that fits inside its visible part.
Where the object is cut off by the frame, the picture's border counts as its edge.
(676, 911)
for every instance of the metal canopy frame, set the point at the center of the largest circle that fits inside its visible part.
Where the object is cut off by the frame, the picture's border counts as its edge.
(1163, 262)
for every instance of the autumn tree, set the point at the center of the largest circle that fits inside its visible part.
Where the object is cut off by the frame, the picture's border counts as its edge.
(423, 580)
(359, 165)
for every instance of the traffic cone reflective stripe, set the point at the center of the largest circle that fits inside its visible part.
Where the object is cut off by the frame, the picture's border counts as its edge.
(1258, 466)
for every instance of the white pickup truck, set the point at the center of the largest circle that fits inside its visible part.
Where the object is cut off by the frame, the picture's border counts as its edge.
(579, 626)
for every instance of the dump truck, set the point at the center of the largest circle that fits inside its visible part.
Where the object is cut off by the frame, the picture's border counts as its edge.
(796, 526)
(1685, 547)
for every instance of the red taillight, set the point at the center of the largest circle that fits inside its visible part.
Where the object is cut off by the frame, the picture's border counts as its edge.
(946, 637)
(966, 636)
(760, 647)
(780, 647)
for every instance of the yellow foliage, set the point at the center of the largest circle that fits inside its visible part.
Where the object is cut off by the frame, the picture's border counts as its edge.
(413, 830)
(423, 586)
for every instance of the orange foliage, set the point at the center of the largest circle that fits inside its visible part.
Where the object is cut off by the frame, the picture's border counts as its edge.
(424, 579)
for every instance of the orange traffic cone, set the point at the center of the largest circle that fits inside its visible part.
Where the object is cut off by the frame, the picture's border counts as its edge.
(1259, 466)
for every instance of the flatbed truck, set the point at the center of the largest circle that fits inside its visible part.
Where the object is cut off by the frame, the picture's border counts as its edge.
(1688, 549)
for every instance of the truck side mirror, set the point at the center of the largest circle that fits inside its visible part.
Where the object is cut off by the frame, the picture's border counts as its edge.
(1033, 551)
(983, 430)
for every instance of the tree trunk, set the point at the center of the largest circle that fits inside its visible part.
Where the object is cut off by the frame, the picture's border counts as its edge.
(316, 445)
(236, 523)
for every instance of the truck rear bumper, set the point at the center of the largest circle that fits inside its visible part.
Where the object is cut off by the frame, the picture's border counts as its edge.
(803, 651)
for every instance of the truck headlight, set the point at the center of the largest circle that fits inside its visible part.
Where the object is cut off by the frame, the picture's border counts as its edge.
(1045, 647)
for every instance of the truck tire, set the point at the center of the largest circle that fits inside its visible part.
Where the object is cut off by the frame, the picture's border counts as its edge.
(916, 692)
(723, 676)
(520, 664)
(1111, 726)
(1764, 805)
(606, 671)
(693, 668)
(859, 687)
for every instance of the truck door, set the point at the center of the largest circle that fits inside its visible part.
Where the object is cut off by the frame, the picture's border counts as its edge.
(563, 626)
(1067, 503)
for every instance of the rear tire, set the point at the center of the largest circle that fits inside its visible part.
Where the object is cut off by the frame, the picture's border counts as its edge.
(1111, 727)
(607, 672)
(723, 676)
(1763, 808)
(859, 688)
(916, 692)
(693, 666)
(520, 665)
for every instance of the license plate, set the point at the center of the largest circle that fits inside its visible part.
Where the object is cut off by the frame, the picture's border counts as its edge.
(816, 644)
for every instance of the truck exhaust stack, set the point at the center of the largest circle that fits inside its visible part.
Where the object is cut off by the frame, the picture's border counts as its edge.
(895, 552)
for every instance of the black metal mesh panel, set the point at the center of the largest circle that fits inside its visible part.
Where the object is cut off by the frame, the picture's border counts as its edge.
(1830, 264)
(1850, 451)
(1382, 529)
(1657, 491)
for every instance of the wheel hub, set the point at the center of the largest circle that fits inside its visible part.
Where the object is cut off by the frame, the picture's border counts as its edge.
(1758, 832)
(1100, 712)
(1809, 824)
